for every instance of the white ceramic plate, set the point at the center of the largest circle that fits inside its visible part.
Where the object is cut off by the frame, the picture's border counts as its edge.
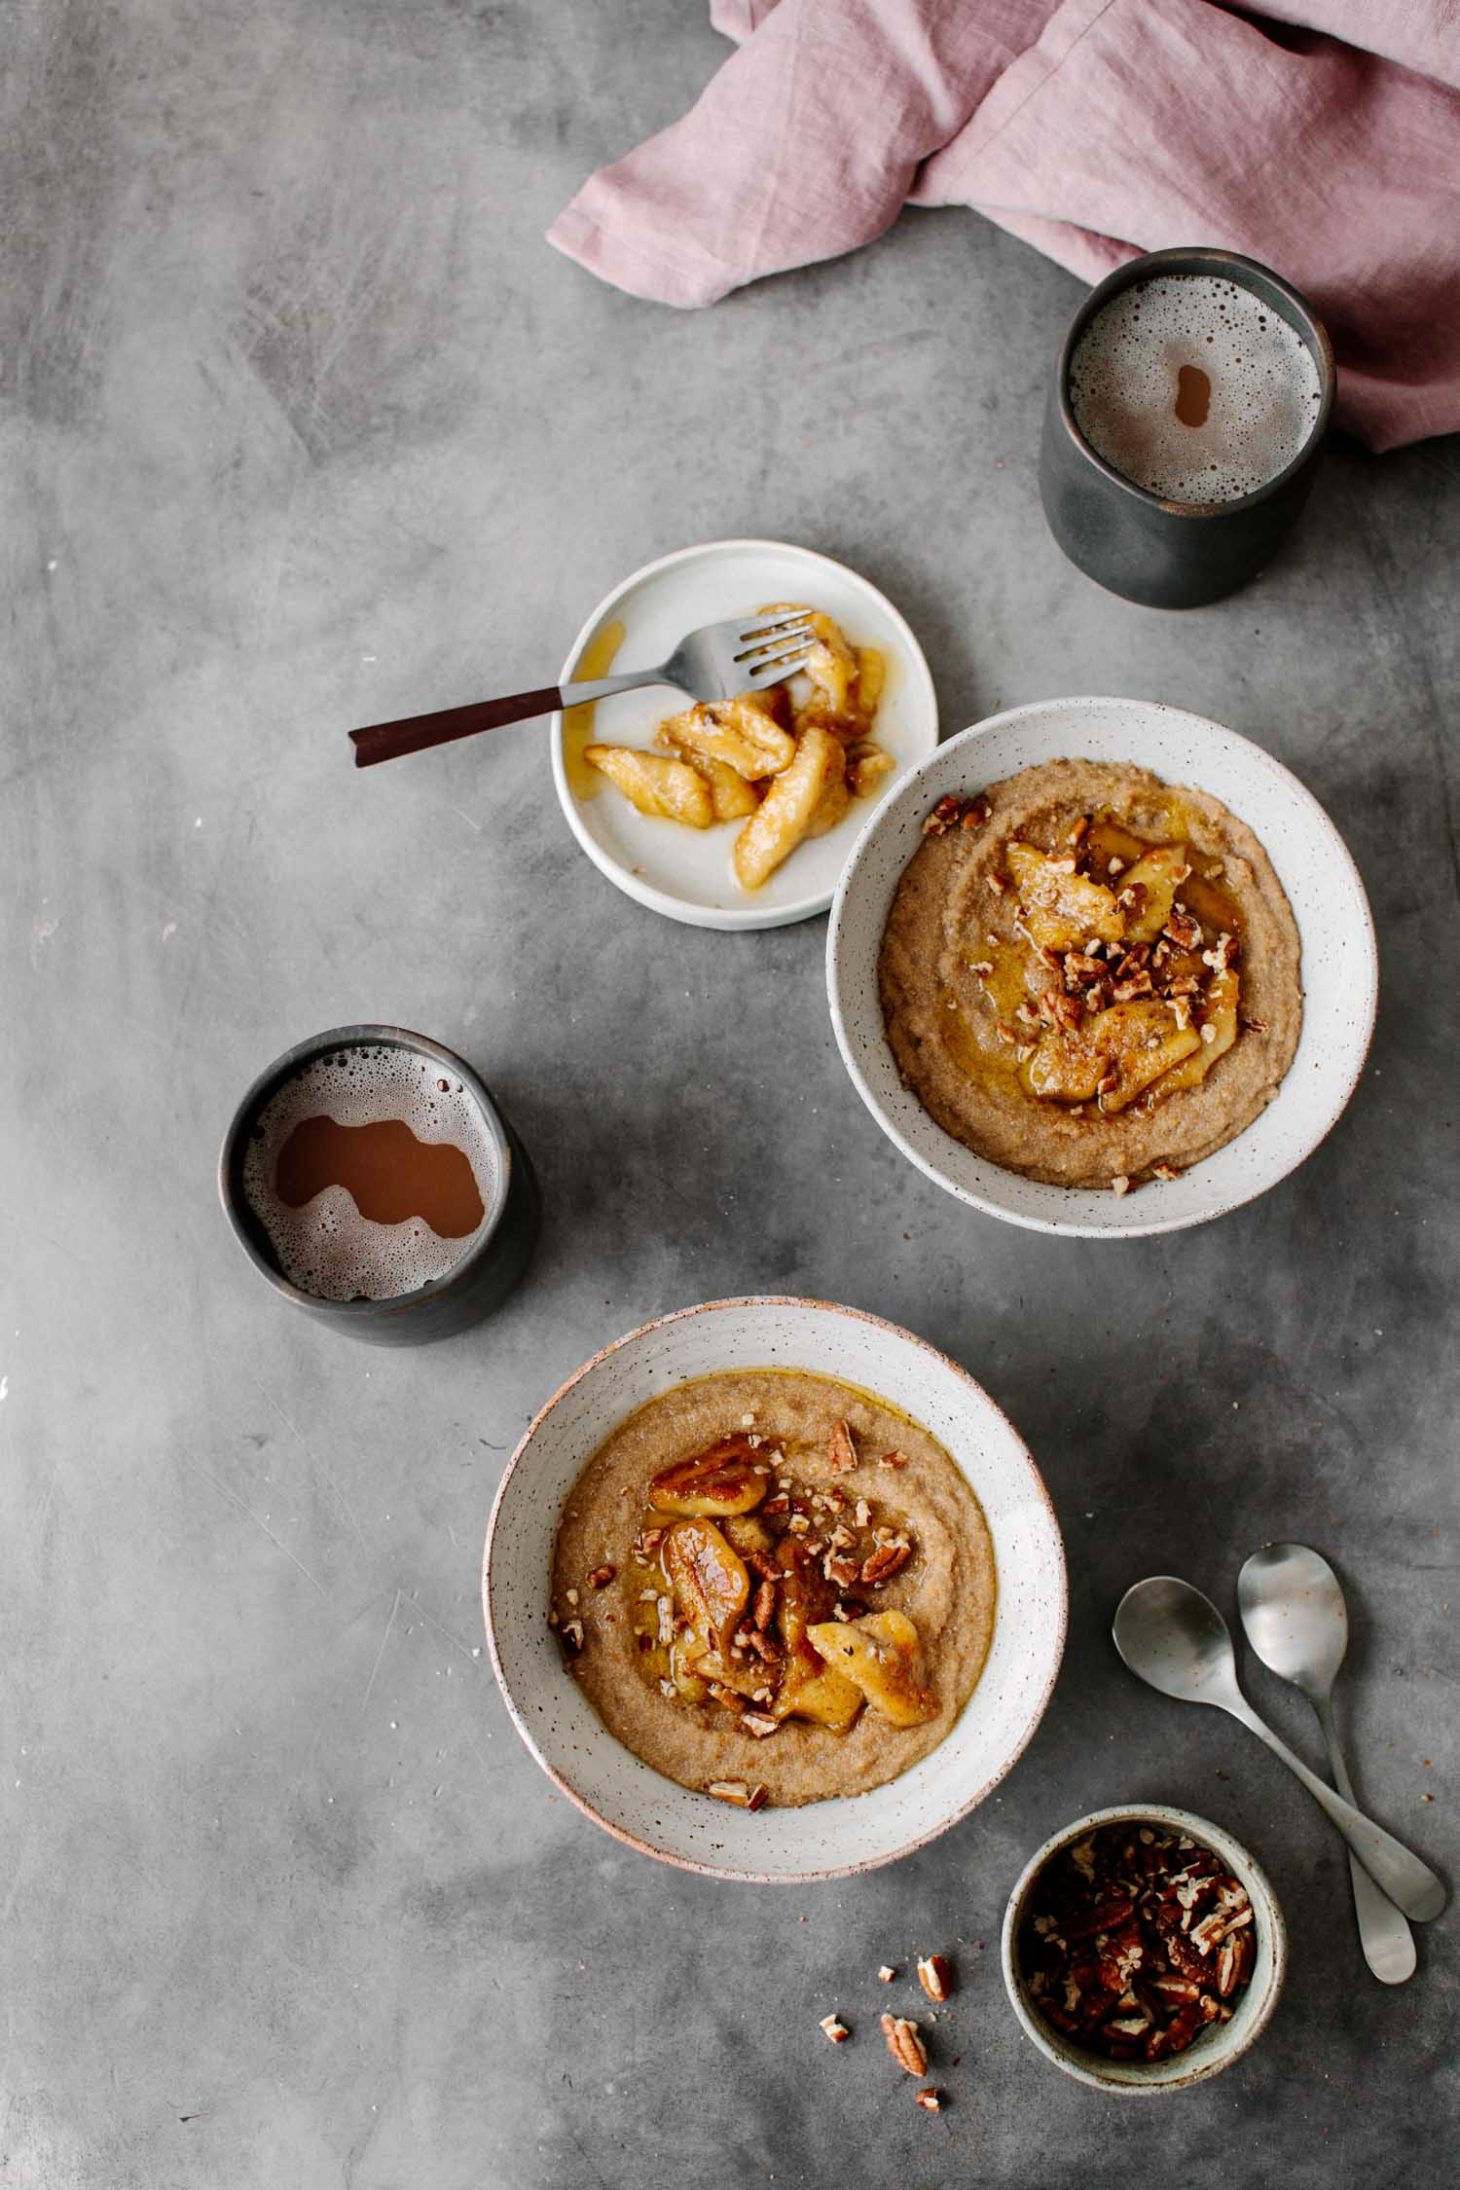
(1340, 958)
(686, 873)
(823, 1839)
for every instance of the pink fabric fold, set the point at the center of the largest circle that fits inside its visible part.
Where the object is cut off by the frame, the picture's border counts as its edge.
(1322, 138)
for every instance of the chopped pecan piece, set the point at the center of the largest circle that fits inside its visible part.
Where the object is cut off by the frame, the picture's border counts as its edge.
(893, 1460)
(764, 1609)
(602, 1576)
(835, 2029)
(943, 816)
(841, 1450)
(1184, 932)
(904, 2044)
(886, 1974)
(884, 1563)
(935, 1975)
(930, 2099)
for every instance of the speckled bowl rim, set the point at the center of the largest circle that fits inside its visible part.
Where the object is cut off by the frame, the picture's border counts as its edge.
(1069, 1222)
(1213, 2056)
(733, 1874)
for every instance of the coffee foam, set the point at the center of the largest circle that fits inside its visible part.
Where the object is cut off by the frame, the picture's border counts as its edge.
(1123, 382)
(326, 1247)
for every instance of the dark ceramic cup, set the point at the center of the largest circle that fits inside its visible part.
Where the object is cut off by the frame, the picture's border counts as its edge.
(472, 1287)
(1170, 554)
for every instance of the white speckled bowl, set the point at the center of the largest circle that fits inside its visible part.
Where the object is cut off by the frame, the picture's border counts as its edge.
(1340, 958)
(1221, 2043)
(823, 1839)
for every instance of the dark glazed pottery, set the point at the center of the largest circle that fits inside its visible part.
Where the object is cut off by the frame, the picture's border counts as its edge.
(1173, 554)
(470, 1290)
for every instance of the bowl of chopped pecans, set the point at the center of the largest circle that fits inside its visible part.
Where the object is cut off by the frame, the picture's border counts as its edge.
(1143, 1950)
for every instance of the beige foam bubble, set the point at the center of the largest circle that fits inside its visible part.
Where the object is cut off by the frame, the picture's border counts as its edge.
(326, 1247)
(1123, 385)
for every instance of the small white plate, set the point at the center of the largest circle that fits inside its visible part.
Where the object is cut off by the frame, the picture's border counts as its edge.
(686, 873)
(1340, 967)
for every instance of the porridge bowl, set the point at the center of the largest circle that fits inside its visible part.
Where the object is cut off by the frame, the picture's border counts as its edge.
(882, 1371)
(1017, 1006)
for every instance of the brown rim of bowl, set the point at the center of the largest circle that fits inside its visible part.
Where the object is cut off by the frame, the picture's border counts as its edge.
(1086, 2067)
(1147, 267)
(686, 1863)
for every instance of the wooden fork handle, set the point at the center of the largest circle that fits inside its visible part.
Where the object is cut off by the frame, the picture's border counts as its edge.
(389, 740)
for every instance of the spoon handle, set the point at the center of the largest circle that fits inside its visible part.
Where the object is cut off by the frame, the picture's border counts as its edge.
(1407, 1881)
(1384, 1935)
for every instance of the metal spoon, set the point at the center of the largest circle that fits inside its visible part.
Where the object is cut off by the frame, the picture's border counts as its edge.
(1296, 1620)
(1173, 1637)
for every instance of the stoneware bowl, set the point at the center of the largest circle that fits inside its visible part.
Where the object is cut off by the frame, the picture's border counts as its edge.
(1340, 967)
(822, 1839)
(1221, 2043)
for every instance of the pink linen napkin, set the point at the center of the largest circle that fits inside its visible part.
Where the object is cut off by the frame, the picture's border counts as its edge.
(1323, 139)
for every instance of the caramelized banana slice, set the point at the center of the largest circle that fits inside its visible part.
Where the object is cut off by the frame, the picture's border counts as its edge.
(882, 1655)
(1115, 1054)
(1060, 908)
(1221, 1014)
(810, 1688)
(740, 732)
(871, 676)
(867, 766)
(831, 665)
(710, 1584)
(834, 801)
(786, 812)
(665, 789)
(716, 1482)
(1157, 875)
(730, 794)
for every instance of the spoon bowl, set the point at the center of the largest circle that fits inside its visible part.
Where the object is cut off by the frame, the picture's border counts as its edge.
(1175, 1639)
(1294, 1615)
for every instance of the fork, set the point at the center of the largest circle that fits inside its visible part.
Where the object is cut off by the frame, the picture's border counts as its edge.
(713, 663)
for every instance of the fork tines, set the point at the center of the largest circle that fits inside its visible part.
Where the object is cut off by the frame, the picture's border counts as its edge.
(772, 646)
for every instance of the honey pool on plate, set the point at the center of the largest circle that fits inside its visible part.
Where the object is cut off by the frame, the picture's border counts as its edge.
(773, 1587)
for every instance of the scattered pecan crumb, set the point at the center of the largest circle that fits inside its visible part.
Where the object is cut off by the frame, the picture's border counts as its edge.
(904, 2044)
(1166, 1172)
(835, 2029)
(935, 1975)
(893, 1460)
(758, 1798)
(930, 2099)
(1120, 1186)
(886, 1974)
(602, 1576)
(730, 1790)
(570, 1634)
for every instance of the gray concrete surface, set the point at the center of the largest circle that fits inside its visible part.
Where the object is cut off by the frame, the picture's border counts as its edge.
(304, 425)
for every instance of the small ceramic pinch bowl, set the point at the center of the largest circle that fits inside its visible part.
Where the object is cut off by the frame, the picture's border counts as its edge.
(1220, 2044)
(677, 1824)
(1340, 963)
